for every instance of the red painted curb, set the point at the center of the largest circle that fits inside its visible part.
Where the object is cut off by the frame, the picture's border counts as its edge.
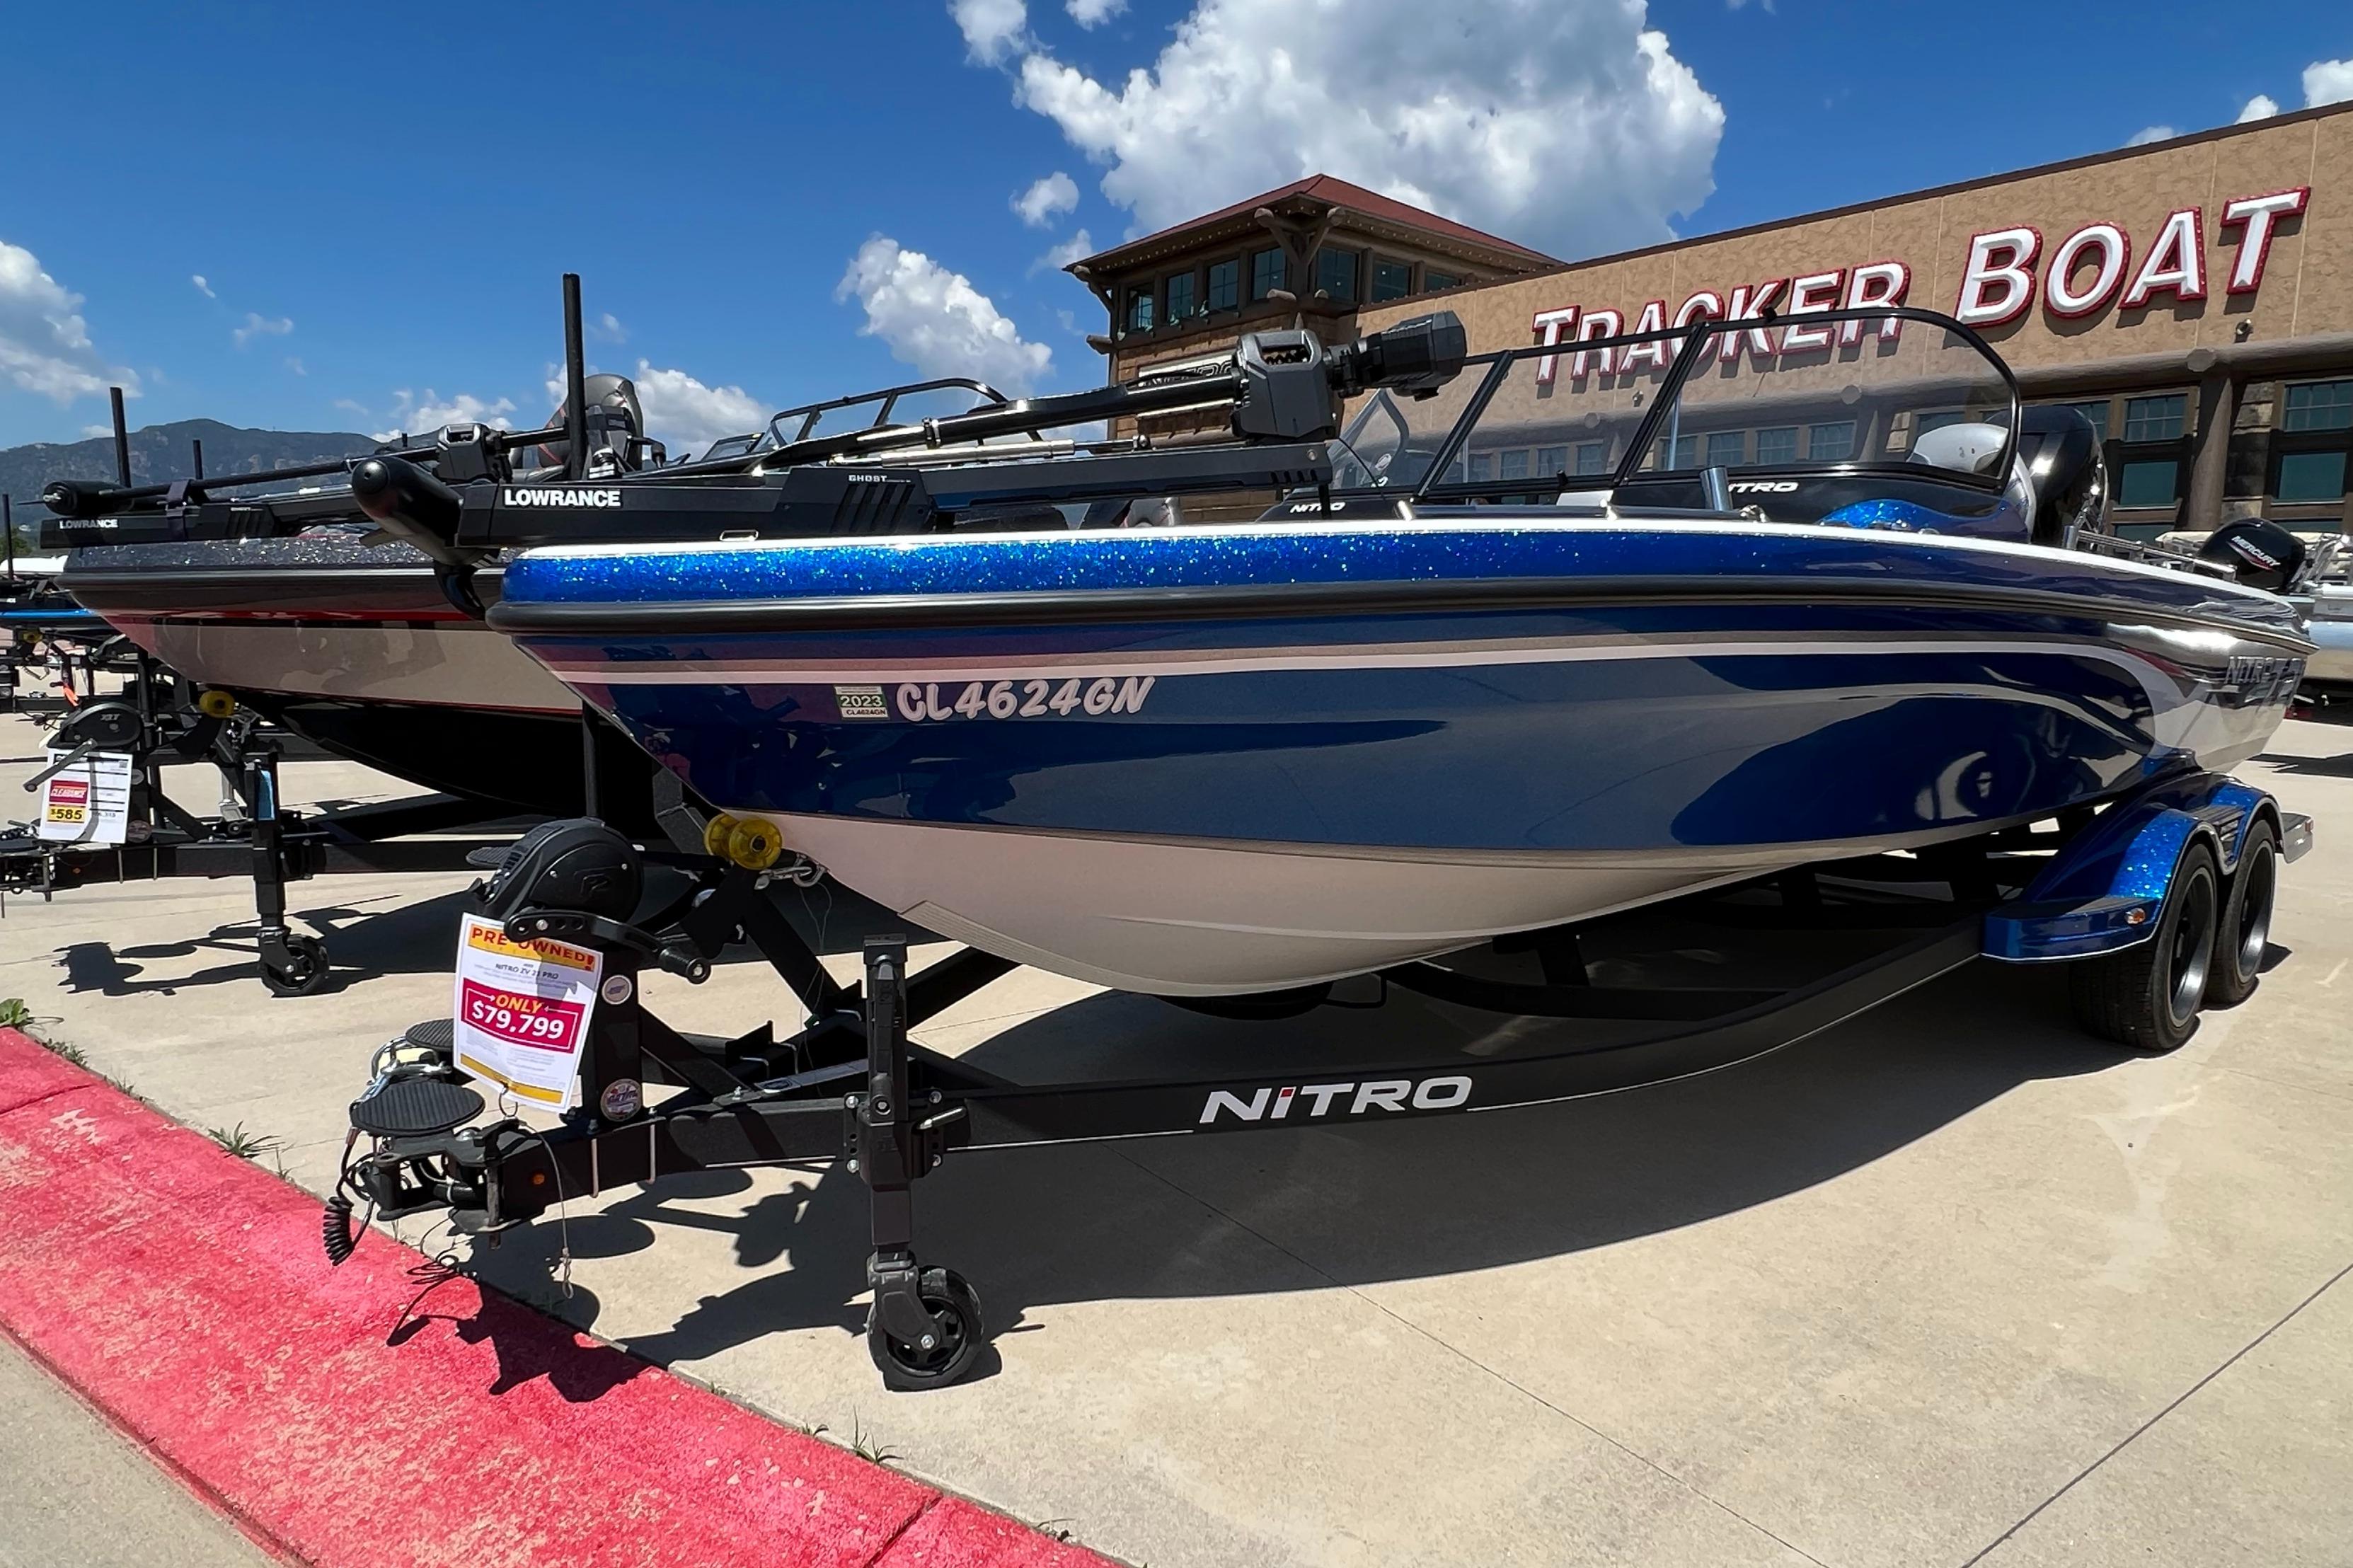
(182, 1292)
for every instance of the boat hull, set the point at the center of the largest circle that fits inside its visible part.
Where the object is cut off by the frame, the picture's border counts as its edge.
(1209, 795)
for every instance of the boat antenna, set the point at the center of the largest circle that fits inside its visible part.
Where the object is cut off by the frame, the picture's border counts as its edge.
(122, 440)
(199, 447)
(8, 531)
(575, 387)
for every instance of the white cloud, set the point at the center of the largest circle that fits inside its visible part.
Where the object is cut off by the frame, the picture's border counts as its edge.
(45, 345)
(412, 413)
(349, 407)
(2143, 137)
(2327, 81)
(202, 287)
(990, 28)
(1077, 248)
(294, 363)
(607, 329)
(685, 415)
(1047, 199)
(256, 325)
(937, 320)
(1565, 124)
(1094, 13)
(92, 432)
(2260, 107)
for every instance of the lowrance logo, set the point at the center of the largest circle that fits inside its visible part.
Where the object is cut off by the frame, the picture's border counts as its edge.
(1316, 1099)
(566, 496)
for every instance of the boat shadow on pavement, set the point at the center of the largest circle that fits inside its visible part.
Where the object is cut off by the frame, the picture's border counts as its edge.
(1342, 1205)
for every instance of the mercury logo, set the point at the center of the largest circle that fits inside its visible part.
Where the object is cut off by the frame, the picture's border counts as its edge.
(1272, 1104)
(511, 496)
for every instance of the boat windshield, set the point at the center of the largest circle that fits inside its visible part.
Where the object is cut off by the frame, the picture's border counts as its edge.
(1843, 392)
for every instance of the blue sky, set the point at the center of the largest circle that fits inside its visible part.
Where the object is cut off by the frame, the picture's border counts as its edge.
(786, 202)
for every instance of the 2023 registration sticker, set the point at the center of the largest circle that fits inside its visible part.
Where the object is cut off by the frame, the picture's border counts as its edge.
(931, 701)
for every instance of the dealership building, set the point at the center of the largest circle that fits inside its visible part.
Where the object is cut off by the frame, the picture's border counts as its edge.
(2192, 298)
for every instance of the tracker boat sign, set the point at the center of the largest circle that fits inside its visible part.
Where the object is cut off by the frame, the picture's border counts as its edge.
(2004, 272)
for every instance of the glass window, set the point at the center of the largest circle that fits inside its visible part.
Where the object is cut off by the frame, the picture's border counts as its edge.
(2149, 483)
(2155, 418)
(1225, 286)
(1515, 464)
(1179, 290)
(1551, 460)
(2097, 413)
(1139, 309)
(1681, 452)
(1432, 282)
(1726, 448)
(1268, 274)
(1483, 465)
(1593, 458)
(2311, 476)
(1778, 445)
(1391, 279)
(1831, 443)
(2319, 406)
(1336, 275)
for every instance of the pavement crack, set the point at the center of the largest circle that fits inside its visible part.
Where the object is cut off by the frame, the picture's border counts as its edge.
(1464, 1356)
(2177, 1402)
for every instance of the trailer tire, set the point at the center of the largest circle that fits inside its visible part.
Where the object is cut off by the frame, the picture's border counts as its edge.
(2245, 934)
(2146, 997)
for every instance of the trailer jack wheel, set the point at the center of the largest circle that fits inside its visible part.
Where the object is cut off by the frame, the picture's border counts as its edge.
(294, 965)
(950, 1311)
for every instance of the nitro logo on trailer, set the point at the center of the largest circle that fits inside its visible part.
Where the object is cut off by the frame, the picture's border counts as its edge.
(1272, 1104)
(569, 496)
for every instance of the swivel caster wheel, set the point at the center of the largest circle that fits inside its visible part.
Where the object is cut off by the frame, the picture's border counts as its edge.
(302, 970)
(955, 1312)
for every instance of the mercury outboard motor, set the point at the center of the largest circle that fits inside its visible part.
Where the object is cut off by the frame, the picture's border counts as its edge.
(2260, 554)
(616, 420)
(576, 864)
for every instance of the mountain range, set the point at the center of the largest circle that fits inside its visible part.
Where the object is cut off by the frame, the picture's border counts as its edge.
(161, 453)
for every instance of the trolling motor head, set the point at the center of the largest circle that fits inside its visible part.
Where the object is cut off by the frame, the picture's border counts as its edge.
(1293, 383)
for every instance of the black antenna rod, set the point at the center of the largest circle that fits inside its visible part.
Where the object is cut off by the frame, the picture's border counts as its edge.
(122, 440)
(575, 389)
(8, 530)
(199, 447)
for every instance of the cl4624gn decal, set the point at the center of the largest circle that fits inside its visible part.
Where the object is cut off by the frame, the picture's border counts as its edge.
(931, 701)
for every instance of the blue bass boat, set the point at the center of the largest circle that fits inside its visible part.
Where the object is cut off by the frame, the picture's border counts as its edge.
(1456, 698)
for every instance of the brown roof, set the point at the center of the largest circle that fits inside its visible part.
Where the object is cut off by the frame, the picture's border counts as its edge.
(1327, 189)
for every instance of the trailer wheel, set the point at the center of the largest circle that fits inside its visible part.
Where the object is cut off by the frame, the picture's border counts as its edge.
(2246, 928)
(955, 1308)
(2147, 996)
(303, 972)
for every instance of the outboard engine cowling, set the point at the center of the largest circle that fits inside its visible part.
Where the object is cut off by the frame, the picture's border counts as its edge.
(2260, 554)
(2064, 463)
(574, 862)
(616, 419)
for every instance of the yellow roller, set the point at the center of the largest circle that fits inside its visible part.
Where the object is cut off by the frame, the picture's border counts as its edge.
(754, 843)
(715, 836)
(216, 704)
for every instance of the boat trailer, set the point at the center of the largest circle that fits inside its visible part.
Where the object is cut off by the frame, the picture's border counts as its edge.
(2164, 897)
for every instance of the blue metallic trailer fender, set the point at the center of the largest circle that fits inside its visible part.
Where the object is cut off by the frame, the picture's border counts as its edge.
(2105, 889)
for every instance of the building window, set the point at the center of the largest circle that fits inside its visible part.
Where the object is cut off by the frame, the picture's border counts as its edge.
(2149, 484)
(1778, 445)
(1336, 275)
(1726, 448)
(1179, 290)
(1267, 274)
(1225, 286)
(1391, 279)
(1139, 309)
(1552, 461)
(2097, 413)
(1483, 467)
(2310, 476)
(1679, 452)
(1593, 458)
(2319, 406)
(1830, 443)
(1515, 464)
(1432, 282)
(2155, 418)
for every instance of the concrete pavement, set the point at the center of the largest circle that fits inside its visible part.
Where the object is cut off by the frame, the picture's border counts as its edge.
(1950, 1283)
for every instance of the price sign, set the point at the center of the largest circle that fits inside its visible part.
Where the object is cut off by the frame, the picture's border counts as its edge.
(523, 1009)
(87, 802)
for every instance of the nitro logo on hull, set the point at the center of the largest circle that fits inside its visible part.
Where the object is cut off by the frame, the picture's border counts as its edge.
(1397, 1094)
(566, 496)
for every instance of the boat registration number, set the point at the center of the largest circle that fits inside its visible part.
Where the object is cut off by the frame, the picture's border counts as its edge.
(933, 701)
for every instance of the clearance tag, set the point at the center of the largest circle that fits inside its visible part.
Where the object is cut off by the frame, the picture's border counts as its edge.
(521, 1012)
(88, 802)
